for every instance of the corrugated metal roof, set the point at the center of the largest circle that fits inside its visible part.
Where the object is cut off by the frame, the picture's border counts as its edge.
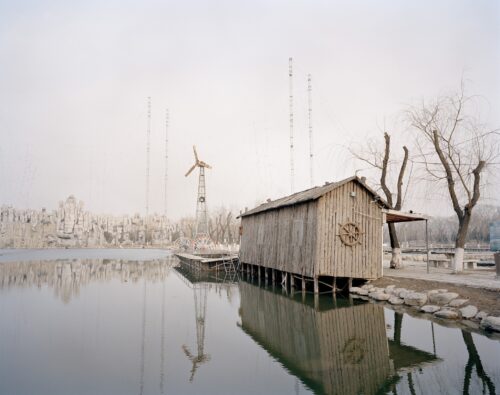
(307, 195)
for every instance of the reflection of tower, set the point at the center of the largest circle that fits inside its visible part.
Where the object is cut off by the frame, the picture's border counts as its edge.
(200, 307)
(162, 339)
(143, 342)
(201, 202)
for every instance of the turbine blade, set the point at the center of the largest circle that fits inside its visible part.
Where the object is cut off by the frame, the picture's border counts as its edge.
(208, 166)
(195, 153)
(190, 170)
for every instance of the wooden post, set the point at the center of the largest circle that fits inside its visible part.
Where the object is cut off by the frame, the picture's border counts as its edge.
(292, 281)
(350, 284)
(273, 276)
(285, 282)
(258, 275)
(266, 275)
(316, 285)
(303, 286)
(334, 285)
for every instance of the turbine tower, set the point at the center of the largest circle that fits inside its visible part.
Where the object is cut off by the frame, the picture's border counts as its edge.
(201, 203)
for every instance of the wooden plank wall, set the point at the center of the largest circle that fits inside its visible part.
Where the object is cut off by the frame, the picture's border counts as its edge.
(334, 258)
(338, 351)
(283, 239)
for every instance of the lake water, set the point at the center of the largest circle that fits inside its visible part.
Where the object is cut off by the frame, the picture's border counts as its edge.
(132, 322)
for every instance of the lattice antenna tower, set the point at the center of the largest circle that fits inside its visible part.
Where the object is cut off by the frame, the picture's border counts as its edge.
(290, 96)
(148, 147)
(309, 114)
(165, 192)
(201, 201)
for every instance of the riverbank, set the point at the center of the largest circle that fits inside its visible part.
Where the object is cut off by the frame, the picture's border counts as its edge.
(484, 299)
(470, 299)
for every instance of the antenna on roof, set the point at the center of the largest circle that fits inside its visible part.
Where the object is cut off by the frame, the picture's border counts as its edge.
(311, 153)
(148, 143)
(166, 164)
(290, 96)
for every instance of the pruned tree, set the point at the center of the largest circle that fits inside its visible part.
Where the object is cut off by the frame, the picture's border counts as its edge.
(381, 161)
(455, 150)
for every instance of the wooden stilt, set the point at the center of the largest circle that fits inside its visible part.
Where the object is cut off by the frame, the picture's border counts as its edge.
(350, 284)
(316, 285)
(273, 276)
(303, 286)
(258, 275)
(292, 281)
(266, 275)
(334, 285)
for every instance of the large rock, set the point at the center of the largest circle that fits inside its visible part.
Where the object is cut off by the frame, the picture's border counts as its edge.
(442, 298)
(458, 302)
(402, 294)
(491, 323)
(395, 300)
(379, 295)
(436, 291)
(415, 299)
(358, 291)
(390, 289)
(430, 308)
(448, 314)
(468, 312)
(482, 314)
(367, 286)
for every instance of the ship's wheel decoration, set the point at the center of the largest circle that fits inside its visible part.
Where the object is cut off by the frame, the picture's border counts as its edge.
(350, 234)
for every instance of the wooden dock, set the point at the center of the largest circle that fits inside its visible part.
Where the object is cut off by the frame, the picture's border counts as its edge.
(210, 261)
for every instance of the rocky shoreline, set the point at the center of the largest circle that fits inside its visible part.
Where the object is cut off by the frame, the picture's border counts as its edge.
(438, 303)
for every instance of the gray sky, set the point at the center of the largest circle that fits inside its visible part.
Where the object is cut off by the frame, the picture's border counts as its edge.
(74, 78)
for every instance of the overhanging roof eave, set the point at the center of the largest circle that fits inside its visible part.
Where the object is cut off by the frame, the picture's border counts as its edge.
(394, 216)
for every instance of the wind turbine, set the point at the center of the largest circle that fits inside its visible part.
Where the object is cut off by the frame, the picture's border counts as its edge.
(201, 203)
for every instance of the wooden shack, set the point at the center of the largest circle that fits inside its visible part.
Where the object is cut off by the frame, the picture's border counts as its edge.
(321, 234)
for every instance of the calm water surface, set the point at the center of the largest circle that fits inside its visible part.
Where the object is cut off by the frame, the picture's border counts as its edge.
(133, 322)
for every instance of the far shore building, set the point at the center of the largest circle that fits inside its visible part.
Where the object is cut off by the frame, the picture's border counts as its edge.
(323, 234)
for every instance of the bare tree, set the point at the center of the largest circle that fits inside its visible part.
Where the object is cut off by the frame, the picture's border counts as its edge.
(381, 161)
(455, 150)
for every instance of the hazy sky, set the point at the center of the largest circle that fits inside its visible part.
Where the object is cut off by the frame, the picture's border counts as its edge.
(75, 77)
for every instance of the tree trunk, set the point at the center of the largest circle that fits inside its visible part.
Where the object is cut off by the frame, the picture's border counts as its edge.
(396, 259)
(463, 228)
(398, 325)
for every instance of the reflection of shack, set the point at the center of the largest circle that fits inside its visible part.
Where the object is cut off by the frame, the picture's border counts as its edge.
(341, 350)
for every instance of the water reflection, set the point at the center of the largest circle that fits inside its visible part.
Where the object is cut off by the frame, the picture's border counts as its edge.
(149, 327)
(67, 277)
(201, 282)
(340, 347)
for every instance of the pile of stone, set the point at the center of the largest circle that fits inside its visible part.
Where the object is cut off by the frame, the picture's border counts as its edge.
(439, 302)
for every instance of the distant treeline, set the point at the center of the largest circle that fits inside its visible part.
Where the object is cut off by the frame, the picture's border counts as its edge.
(443, 230)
